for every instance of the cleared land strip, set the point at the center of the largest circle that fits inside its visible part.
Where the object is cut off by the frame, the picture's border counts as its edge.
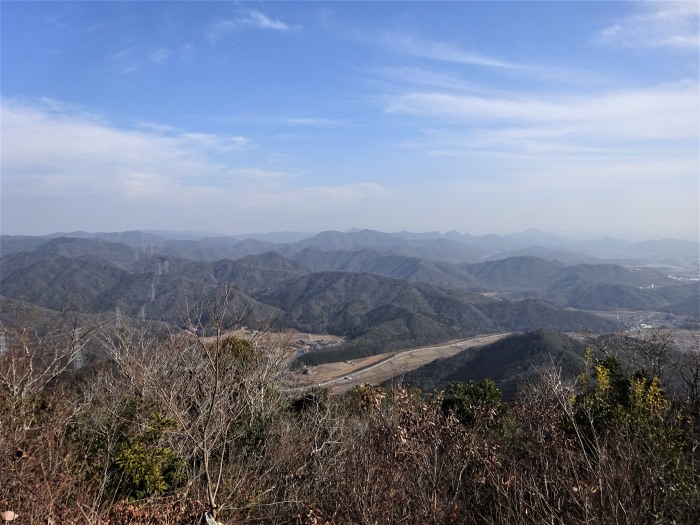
(376, 369)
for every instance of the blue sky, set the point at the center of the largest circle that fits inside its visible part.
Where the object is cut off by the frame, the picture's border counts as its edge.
(242, 117)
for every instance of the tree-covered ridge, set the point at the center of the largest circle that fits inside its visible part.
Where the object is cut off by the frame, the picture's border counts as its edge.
(510, 362)
(580, 281)
(374, 312)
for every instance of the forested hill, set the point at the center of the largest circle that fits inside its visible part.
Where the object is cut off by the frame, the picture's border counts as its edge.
(376, 313)
(382, 292)
(89, 284)
(382, 314)
(509, 362)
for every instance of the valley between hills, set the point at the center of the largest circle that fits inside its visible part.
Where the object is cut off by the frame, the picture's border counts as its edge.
(376, 295)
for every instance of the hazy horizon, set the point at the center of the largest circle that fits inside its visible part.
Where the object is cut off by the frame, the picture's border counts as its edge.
(576, 118)
(169, 233)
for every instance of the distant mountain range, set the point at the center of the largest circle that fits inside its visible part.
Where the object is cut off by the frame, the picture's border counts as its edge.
(380, 291)
(451, 246)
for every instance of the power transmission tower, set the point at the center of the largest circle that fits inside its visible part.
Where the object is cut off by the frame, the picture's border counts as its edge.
(3, 348)
(78, 361)
(118, 318)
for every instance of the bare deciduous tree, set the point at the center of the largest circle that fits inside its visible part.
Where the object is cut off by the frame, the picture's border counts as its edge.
(217, 387)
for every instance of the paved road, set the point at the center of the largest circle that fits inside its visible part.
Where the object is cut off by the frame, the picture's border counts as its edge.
(401, 362)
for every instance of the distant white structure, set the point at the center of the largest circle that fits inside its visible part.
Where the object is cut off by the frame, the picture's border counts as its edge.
(118, 318)
(153, 292)
(3, 348)
(78, 361)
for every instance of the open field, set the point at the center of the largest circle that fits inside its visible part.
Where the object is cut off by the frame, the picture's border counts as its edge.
(342, 376)
(376, 369)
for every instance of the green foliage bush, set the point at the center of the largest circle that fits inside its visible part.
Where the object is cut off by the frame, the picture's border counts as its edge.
(144, 464)
(609, 396)
(615, 408)
(473, 400)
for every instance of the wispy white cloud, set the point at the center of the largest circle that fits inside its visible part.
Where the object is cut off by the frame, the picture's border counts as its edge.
(161, 56)
(124, 62)
(215, 143)
(667, 24)
(52, 143)
(131, 60)
(311, 122)
(78, 166)
(438, 51)
(441, 51)
(423, 78)
(659, 113)
(261, 21)
(564, 151)
(249, 19)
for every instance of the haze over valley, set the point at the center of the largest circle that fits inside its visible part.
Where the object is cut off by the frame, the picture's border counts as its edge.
(379, 292)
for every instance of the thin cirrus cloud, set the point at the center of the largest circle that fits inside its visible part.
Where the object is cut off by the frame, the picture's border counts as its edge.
(124, 62)
(130, 60)
(619, 140)
(437, 51)
(250, 19)
(441, 51)
(672, 25)
(659, 113)
(161, 56)
(311, 122)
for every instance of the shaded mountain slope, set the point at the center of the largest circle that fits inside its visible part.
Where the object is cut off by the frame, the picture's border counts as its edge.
(10, 244)
(254, 272)
(390, 265)
(114, 252)
(441, 249)
(689, 306)
(514, 273)
(60, 282)
(606, 296)
(550, 254)
(91, 284)
(607, 286)
(529, 314)
(508, 362)
(382, 314)
(609, 273)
